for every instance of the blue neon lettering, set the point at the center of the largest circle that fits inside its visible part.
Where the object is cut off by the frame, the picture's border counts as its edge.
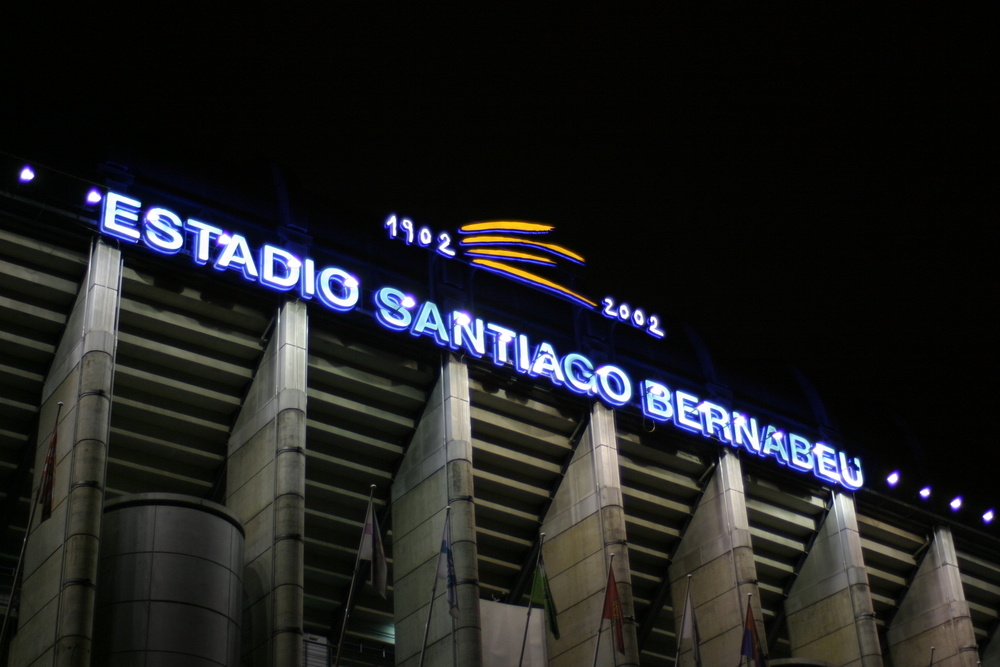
(502, 338)
(547, 363)
(120, 214)
(656, 401)
(850, 472)
(613, 385)
(826, 462)
(347, 293)
(430, 323)
(799, 452)
(287, 265)
(203, 235)
(579, 374)
(468, 333)
(161, 231)
(389, 309)
(686, 414)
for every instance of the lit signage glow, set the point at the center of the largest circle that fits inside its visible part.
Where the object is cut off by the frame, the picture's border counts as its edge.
(163, 231)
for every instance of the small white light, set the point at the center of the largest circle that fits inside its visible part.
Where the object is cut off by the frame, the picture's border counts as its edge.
(956, 503)
(27, 174)
(462, 319)
(925, 492)
(94, 196)
(893, 478)
(351, 282)
(988, 516)
(294, 263)
(506, 338)
(778, 435)
(408, 302)
(224, 239)
(738, 419)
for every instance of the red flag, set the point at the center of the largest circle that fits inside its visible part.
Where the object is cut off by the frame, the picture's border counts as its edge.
(48, 474)
(371, 550)
(751, 642)
(613, 611)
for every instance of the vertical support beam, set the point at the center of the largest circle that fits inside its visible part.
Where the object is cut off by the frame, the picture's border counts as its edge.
(584, 526)
(717, 552)
(829, 608)
(266, 482)
(935, 613)
(437, 472)
(60, 565)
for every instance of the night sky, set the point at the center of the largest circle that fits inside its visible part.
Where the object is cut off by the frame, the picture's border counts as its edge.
(814, 188)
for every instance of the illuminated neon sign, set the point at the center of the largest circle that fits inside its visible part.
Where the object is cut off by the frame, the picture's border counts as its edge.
(164, 232)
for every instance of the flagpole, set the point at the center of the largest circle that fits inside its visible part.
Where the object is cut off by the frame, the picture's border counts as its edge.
(932, 657)
(430, 607)
(597, 649)
(354, 577)
(24, 542)
(743, 623)
(687, 596)
(527, 622)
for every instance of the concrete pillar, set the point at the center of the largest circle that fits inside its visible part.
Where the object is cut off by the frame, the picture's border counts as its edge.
(60, 566)
(265, 487)
(716, 551)
(829, 609)
(934, 613)
(437, 472)
(584, 526)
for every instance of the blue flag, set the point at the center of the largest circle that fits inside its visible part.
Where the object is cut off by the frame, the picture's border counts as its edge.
(446, 567)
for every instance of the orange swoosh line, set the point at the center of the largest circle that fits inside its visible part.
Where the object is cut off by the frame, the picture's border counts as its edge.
(506, 226)
(531, 277)
(509, 254)
(558, 250)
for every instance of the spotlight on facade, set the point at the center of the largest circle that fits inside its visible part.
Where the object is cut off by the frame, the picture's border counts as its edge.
(925, 492)
(27, 174)
(956, 504)
(224, 239)
(408, 302)
(350, 282)
(893, 478)
(988, 516)
(94, 196)
(462, 319)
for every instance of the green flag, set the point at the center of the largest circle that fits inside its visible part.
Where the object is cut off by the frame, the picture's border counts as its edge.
(542, 594)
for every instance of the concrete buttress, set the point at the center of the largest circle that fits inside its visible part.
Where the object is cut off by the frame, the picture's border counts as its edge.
(436, 473)
(266, 488)
(584, 526)
(717, 552)
(61, 559)
(829, 609)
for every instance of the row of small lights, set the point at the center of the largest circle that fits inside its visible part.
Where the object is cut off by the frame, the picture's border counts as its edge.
(27, 175)
(94, 196)
(925, 493)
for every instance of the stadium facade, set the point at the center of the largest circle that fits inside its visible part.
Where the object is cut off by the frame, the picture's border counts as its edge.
(233, 384)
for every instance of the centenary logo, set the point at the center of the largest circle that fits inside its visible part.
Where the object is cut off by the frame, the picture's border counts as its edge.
(495, 245)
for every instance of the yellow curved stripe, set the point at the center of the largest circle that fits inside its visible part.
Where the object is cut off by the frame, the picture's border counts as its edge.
(510, 254)
(506, 226)
(531, 277)
(558, 250)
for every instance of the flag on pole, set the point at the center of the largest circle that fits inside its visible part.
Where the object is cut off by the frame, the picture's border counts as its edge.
(613, 611)
(372, 551)
(751, 642)
(689, 629)
(48, 478)
(446, 567)
(542, 594)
